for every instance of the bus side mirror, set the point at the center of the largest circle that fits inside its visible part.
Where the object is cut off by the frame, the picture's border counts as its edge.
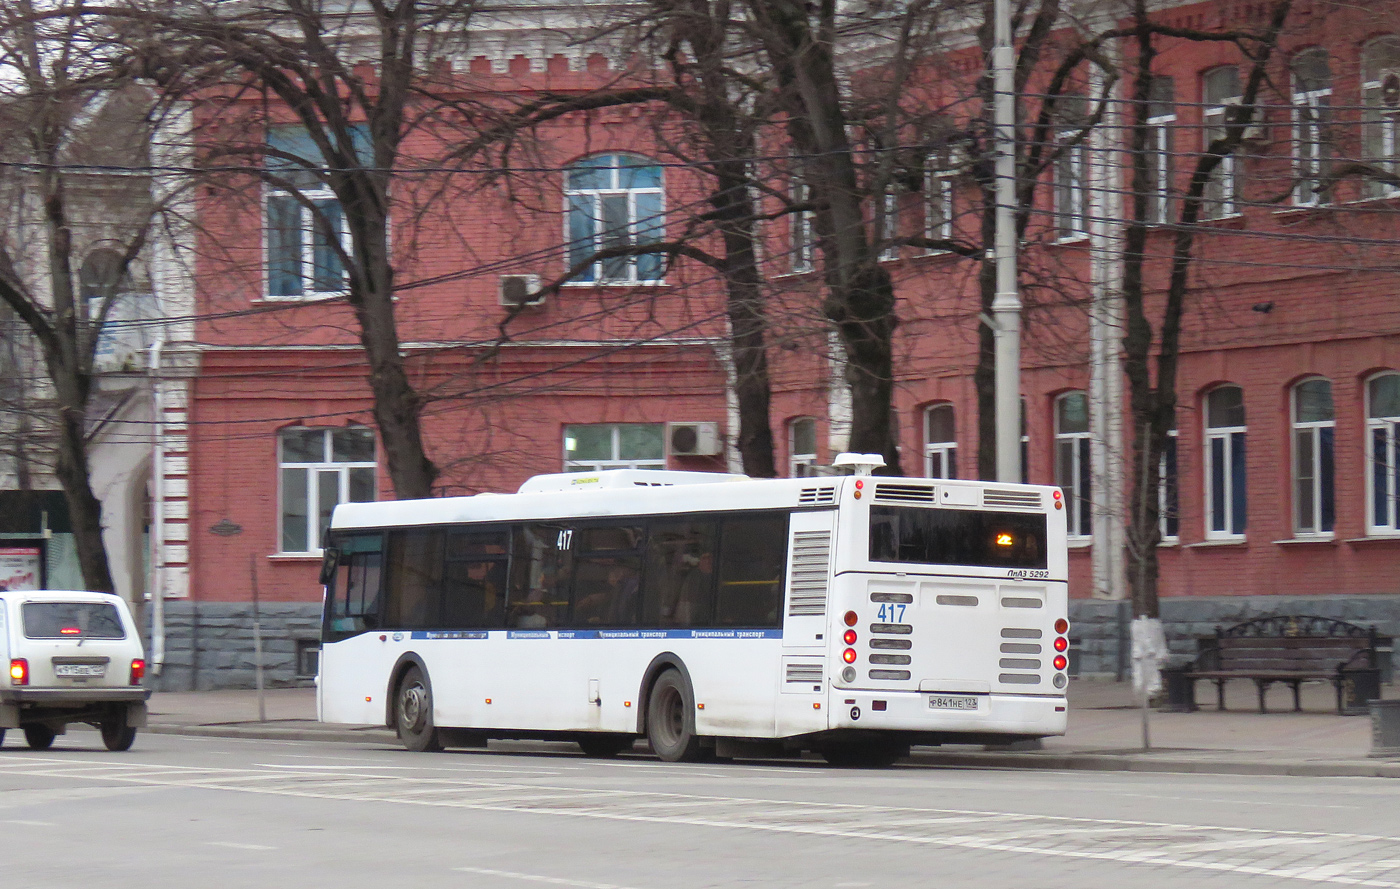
(328, 565)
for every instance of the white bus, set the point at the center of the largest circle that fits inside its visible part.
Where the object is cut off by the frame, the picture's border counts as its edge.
(714, 615)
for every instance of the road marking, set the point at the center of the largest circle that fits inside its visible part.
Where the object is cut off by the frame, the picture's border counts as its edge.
(538, 878)
(21, 821)
(252, 847)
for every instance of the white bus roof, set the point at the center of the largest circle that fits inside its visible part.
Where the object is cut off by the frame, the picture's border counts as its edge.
(623, 478)
(541, 498)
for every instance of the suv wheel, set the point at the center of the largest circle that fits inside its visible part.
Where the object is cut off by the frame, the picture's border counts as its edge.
(40, 737)
(116, 734)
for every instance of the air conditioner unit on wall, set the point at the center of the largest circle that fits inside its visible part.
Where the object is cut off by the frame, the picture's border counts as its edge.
(693, 439)
(520, 290)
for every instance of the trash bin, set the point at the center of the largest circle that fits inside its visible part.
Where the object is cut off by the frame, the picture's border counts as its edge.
(1385, 728)
(1359, 688)
(1180, 689)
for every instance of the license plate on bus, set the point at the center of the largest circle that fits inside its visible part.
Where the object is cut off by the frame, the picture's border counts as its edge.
(80, 671)
(952, 702)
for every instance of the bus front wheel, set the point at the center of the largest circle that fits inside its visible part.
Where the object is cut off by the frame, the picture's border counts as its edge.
(413, 706)
(671, 719)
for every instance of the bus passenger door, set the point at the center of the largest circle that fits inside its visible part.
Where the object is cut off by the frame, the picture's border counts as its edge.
(806, 623)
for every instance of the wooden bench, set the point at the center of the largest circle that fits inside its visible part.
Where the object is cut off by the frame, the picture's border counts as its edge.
(1292, 649)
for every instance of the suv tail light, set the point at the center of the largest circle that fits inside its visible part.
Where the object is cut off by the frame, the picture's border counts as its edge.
(138, 669)
(19, 671)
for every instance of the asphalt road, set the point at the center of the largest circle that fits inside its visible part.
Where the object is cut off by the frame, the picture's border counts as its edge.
(210, 813)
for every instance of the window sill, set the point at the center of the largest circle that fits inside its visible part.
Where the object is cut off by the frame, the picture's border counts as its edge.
(1169, 541)
(1239, 542)
(619, 285)
(1071, 240)
(1229, 220)
(1324, 540)
(297, 300)
(1080, 542)
(1376, 538)
(295, 557)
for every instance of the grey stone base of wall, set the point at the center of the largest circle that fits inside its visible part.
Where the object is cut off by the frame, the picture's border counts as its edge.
(209, 645)
(1099, 629)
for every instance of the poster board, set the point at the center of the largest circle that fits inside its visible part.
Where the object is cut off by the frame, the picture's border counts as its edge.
(21, 566)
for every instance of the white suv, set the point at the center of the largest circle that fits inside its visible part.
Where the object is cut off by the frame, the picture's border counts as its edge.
(73, 657)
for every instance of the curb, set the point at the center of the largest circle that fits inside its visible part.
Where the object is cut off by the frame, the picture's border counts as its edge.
(1039, 761)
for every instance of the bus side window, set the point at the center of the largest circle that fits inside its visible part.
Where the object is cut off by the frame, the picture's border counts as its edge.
(752, 556)
(475, 582)
(540, 575)
(680, 586)
(415, 589)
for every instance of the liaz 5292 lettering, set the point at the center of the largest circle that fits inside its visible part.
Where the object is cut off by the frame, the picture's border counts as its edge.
(712, 615)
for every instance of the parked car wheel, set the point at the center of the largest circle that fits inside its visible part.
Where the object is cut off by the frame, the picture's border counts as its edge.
(40, 737)
(116, 734)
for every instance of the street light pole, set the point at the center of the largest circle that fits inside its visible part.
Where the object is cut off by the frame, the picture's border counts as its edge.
(1006, 304)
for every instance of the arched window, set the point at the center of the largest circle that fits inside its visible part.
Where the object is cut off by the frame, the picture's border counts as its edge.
(802, 446)
(940, 442)
(1314, 438)
(1225, 464)
(1380, 98)
(614, 201)
(1221, 89)
(1312, 97)
(1072, 460)
(1383, 452)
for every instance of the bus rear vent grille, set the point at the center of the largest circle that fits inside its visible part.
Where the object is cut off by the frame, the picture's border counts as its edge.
(798, 671)
(1011, 499)
(811, 563)
(888, 493)
(817, 495)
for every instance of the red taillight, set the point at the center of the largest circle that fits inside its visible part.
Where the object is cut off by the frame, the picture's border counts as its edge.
(70, 631)
(849, 655)
(860, 485)
(1061, 643)
(138, 669)
(1060, 662)
(851, 618)
(850, 637)
(19, 671)
(1062, 626)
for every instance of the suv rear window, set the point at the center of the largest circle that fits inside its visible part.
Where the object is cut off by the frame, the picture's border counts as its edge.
(71, 620)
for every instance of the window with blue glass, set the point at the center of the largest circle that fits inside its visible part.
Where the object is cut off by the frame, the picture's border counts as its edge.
(614, 201)
(1383, 453)
(1226, 506)
(305, 224)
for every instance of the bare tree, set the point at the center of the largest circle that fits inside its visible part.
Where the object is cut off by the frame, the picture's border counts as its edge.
(71, 110)
(355, 79)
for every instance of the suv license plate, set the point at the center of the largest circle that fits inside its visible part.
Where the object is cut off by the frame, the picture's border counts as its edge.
(952, 702)
(80, 671)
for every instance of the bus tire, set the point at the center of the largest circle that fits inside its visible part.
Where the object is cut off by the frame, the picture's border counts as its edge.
(413, 712)
(603, 745)
(671, 719)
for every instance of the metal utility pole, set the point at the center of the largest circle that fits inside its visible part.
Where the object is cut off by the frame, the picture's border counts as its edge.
(1006, 304)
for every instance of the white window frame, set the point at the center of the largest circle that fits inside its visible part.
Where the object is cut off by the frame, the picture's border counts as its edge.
(801, 228)
(1160, 130)
(1230, 438)
(1380, 139)
(1071, 191)
(1382, 471)
(615, 460)
(1310, 120)
(1312, 475)
(889, 228)
(938, 205)
(309, 232)
(637, 226)
(1225, 180)
(1169, 490)
(942, 454)
(798, 462)
(313, 471)
(1079, 503)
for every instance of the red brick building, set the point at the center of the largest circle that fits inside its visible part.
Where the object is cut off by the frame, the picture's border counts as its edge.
(1283, 479)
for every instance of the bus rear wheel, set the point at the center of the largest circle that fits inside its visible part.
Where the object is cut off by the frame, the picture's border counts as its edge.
(671, 719)
(413, 711)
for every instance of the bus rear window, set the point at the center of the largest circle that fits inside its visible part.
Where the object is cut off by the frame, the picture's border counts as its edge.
(916, 535)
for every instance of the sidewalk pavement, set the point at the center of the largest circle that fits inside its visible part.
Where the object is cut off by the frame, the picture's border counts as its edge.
(1105, 732)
